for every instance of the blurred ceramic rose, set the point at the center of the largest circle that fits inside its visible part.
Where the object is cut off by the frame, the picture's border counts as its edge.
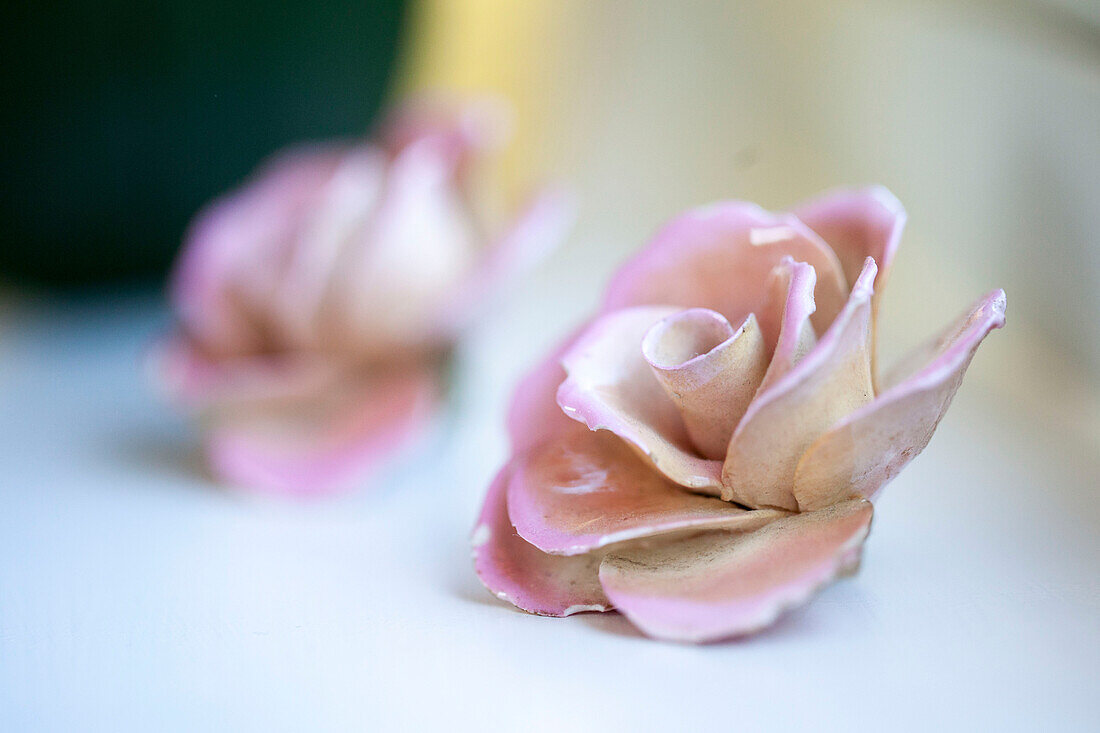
(728, 429)
(318, 302)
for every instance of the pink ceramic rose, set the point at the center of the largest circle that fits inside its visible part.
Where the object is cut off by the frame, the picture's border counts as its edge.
(317, 303)
(702, 455)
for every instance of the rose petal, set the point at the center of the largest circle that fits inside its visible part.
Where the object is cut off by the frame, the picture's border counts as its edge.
(231, 237)
(610, 386)
(859, 223)
(518, 572)
(587, 490)
(534, 415)
(724, 584)
(324, 441)
(708, 370)
(468, 127)
(866, 449)
(832, 380)
(391, 280)
(719, 257)
(785, 318)
(341, 209)
(196, 382)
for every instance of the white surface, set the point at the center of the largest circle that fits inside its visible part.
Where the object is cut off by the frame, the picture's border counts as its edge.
(134, 595)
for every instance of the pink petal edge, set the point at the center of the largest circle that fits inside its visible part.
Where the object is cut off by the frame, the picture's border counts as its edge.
(785, 319)
(719, 257)
(533, 413)
(274, 450)
(857, 223)
(521, 574)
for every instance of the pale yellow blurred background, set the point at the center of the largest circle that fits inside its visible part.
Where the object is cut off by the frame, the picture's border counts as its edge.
(983, 117)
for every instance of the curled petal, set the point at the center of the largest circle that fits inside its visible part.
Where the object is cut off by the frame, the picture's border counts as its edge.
(709, 370)
(719, 257)
(785, 318)
(724, 584)
(832, 380)
(866, 449)
(610, 386)
(588, 490)
(520, 573)
(321, 442)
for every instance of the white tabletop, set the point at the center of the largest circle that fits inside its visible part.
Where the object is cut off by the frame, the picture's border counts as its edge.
(136, 595)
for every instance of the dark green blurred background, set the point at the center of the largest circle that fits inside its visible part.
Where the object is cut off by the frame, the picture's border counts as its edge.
(120, 118)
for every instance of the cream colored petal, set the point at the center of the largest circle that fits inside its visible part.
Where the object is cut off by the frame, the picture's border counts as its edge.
(785, 318)
(724, 584)
(866, 449)
(833, 380)
(389, 280)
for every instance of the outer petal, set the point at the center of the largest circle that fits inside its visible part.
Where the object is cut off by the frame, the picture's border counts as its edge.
(588, 490)
(610, 386)
(866, 449)
(830, 382)
(719, 257)
(518, 572)
(323, 441)
(195, 382)
(722, 584)
(859, 223)
(534, 415)
(230, 238)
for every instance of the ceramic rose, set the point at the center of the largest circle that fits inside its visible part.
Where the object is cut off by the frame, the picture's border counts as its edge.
(702, 455)
(317, 303)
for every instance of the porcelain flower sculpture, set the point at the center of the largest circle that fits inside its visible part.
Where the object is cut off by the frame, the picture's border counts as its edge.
(317, 303)
(702, 455)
